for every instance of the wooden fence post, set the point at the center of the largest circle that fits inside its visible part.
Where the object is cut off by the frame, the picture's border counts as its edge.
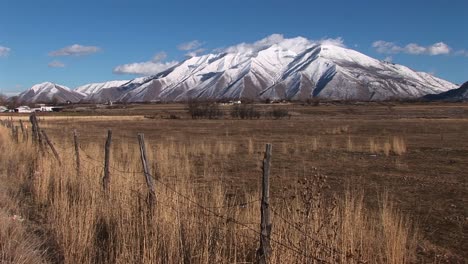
(106, 178)
(23, 132)
(148, 177)
(14, 133)
(54, 151)
(77, 152)
(264, 251)
(36, 134)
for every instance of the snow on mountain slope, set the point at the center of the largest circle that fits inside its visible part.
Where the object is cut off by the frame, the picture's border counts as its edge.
(289, 69)
(335, 72)
(48, 92)
(275, 68)
(215, 76)
(93, 88)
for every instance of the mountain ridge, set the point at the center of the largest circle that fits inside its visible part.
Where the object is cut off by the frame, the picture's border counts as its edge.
(289, 69)
(459, 94)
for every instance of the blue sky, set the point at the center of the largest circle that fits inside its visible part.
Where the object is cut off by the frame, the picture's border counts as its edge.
(78, 42)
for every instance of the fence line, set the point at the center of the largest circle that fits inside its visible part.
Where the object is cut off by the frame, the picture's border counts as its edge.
(209, 210)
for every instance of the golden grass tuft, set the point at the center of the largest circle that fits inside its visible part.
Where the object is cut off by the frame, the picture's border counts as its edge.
(395, 145)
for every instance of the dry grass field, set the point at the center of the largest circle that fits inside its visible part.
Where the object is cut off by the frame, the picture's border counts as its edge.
(350, 183)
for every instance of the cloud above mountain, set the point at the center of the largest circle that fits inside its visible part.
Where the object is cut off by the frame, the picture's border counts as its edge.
(4, 51)
(193, 48)
(75, 50)
(385, 47)
(191, 45)
(154, 66)
(296, 45)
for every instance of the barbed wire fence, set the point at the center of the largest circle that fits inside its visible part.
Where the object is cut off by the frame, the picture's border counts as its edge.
(265, 235)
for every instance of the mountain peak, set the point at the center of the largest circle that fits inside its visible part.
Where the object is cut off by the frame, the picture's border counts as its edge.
(48, 92)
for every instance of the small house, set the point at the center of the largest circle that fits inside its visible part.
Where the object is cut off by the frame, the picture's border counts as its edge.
(3, 109)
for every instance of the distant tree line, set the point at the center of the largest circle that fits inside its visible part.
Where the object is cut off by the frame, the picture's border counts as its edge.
(212, 110)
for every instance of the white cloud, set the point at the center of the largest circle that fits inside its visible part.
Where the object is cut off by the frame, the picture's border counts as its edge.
(385, 47)
(160, 56)
(144, 68)
(56, 64)
(296, 45)
(4, 51)
(414, 49)
(194, 53)
(75, 50)
(191, 45)
(332, 41)
(256, 46)
(439, 48)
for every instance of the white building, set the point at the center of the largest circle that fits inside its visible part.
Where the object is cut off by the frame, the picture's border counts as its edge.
(3, 109)
(23, 109)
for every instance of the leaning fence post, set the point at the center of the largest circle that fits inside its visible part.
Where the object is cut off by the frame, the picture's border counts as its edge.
(77, 152)
(54, 151)
(106, 178)
(264, 251)
(148, 177)
(35, 129)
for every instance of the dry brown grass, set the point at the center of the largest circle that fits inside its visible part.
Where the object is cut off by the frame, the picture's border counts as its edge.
(197, 217)
(394, 144)
(17, 243)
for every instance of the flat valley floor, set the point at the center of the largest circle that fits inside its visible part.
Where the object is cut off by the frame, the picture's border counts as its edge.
(418, 153)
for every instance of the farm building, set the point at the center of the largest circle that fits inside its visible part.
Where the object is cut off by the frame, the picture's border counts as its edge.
(41, 108)
(23, 109)
(46, 108)
(3, 109)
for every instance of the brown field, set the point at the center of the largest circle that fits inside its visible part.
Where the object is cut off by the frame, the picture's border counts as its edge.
(356, 183)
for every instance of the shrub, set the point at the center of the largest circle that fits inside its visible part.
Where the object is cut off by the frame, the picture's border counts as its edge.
(245, 112)
(279, 113)
(199, 110)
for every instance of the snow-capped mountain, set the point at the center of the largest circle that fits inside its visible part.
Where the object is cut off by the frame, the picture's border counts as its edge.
(334, 72)
(93, 88)
(455, 95)
(112, 92)
(50, 92)
(280, 72)
(274, 68)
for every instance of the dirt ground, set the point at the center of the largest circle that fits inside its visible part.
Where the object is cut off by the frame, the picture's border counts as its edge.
(426, 174)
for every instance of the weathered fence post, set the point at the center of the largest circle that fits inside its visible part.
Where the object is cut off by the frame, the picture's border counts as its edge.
(54, 151)
(14, 133)
(148, 177)
(264, 251)
(77, 152)
(21, 126)
(23, 132)
(106, 178)
(36, 135)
